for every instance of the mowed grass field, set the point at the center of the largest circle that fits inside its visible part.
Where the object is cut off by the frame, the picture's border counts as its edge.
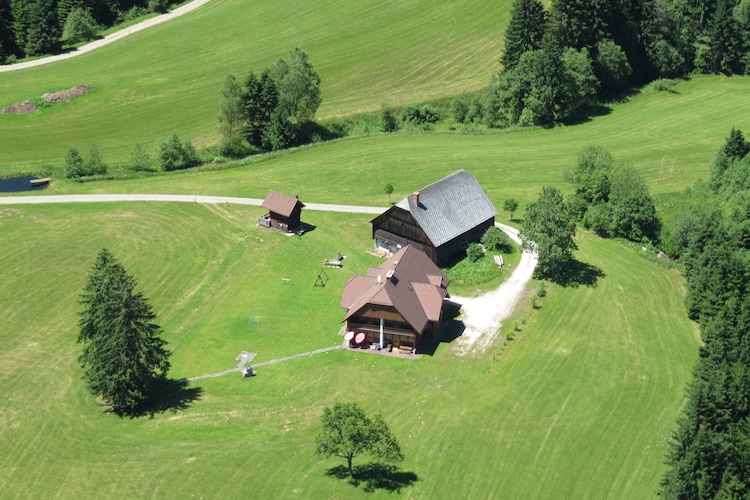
(167, 79)
(669, 137)
(579, 404)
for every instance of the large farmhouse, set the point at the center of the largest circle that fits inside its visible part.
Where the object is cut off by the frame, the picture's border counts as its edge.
(398, 303)
(440, 219)
(284, 212)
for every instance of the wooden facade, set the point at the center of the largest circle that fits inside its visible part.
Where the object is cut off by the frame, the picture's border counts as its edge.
(398, 303)
(284, 212)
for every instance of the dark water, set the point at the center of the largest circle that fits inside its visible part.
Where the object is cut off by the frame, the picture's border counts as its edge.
(18, 184)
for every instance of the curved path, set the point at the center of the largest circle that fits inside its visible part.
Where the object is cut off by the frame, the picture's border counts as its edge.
(482, 316)
(117, 35)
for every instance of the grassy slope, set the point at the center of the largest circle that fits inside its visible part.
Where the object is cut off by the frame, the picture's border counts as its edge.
(166, 79)
(579, 405)
(669, 137)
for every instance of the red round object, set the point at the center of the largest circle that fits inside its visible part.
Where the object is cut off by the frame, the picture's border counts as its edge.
(361, 336)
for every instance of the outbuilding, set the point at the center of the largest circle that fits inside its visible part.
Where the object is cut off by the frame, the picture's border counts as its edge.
(284, 212)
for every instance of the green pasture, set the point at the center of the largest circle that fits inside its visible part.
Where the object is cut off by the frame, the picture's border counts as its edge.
(166, 79)
(579, 404)
(669, 137)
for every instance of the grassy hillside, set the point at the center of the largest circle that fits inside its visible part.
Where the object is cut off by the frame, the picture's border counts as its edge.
(579, 405)
(166, 79)
(669, 137)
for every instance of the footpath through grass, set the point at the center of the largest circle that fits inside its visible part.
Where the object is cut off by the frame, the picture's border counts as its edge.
(579, 404)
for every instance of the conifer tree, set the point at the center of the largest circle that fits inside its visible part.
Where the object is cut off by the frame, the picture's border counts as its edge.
(524, 32)
(122, 355)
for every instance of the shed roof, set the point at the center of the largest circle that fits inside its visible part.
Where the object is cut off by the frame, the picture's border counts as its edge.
(409, 282)
(281, 203)
(449, 207)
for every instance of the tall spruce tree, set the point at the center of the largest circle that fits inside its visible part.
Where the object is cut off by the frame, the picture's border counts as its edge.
(524, 32)
(260, 100)
(43, 33)
(122, 355)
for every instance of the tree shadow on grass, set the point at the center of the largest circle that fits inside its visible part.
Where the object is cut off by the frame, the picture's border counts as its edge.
(375, 476)
(167, 395)
(577, 273)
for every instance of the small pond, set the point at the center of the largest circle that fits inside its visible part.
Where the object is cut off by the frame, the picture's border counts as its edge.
(18, 184)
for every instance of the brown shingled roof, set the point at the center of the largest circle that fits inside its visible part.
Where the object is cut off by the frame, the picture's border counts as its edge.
(281, 203)
(409, 281)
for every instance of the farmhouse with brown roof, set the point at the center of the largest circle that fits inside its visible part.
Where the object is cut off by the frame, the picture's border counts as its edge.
(398, 303)
(284, 212)
(440, 219)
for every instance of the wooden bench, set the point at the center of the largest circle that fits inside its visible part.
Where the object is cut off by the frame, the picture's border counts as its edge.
(39, 182)
(405, 349)
(332, 263)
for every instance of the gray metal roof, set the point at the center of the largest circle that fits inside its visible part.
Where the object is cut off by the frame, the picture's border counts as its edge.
(449, 207)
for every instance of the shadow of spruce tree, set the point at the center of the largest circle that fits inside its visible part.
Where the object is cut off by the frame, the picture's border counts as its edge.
(167, 395)
(375, 476)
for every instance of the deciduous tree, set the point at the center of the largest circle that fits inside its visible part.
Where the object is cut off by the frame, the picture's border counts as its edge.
(80, 26)
(549, 229)
(232, 118)
(298, 84)
(347, 433)
(510, 205)
(122, 353)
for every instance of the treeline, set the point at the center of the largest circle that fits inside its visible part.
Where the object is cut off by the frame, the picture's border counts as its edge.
(557, 62)
(39, 27)
(710, 452)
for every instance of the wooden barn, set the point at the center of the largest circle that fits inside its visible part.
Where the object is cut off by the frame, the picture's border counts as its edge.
(284, 212)
(398, 303)
(440, 219)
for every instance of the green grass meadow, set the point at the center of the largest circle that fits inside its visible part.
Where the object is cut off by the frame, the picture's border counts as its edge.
(669, 137)
(576, 399)
(579, 404)
(167, 79)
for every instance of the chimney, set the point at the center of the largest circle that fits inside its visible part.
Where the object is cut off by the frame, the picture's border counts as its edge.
(415, 197)
(296, 196)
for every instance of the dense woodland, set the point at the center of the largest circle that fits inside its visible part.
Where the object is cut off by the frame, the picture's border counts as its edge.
(710, 454)
(38, 27)
(580, 52)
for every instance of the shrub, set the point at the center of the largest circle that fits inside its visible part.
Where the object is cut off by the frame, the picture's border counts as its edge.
(420, 115)
(160, 6)
(474, 252)
(176, 155)
(95, 165)
(495, 239)
(140, 160)
(73, 164)
(80, 26)
(460, 108)
(388, 122)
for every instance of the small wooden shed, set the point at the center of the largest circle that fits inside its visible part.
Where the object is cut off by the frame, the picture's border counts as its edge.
(284, 212)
